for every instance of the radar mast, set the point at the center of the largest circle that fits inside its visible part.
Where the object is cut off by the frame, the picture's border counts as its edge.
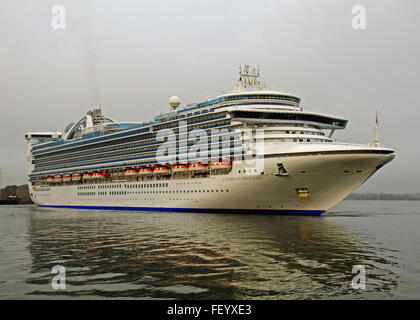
(248, 78)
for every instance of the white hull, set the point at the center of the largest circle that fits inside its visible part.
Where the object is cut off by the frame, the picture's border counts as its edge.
(329, 174)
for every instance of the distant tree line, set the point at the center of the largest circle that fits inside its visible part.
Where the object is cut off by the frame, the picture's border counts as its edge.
(384, 196)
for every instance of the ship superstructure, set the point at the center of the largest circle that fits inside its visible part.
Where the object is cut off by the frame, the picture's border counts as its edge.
(252, 150)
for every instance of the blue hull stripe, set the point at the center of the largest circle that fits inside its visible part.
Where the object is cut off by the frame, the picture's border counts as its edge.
(202, 210)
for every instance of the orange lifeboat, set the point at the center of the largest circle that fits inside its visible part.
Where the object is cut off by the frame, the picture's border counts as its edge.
(87, 176)
(67, 177)
(97, 175)
(131, 172)
(180, 168)
(145, 172)
(197, 167)
(50, 179)
(161, 171)
(220, 166)
(58, 178)
(76, 177)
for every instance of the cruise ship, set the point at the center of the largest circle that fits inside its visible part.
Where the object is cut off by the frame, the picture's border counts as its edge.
(253, 150)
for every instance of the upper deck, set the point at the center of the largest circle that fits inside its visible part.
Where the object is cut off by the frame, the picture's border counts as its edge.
(95, 140)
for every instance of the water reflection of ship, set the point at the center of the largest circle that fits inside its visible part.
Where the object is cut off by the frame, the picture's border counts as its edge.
(199, 256)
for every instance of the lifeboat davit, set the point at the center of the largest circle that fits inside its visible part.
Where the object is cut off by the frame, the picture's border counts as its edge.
(145, 172)
(97, 175)
(197, 167)
(220, 166)
(67, 177)
(161, 171)
(115, 175)
(180, 168)
(58, 178)
(131, 172)
(76, 177)
(87, 176)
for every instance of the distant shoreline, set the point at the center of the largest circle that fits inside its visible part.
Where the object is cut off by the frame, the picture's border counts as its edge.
(11, 195)
(384, 196)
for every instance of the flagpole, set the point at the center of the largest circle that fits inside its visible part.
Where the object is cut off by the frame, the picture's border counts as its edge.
(377, 141)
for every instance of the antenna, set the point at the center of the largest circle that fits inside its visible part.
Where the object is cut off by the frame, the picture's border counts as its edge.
(248, 77)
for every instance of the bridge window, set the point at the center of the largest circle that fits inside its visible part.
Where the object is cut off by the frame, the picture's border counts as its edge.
(289, 116)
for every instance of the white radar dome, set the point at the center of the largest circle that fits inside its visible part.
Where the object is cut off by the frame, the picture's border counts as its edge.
(174, 102)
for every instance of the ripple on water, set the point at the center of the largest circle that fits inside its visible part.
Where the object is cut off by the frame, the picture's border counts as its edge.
(195, 256)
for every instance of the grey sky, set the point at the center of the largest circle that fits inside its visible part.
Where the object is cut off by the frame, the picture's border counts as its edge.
(131, 56)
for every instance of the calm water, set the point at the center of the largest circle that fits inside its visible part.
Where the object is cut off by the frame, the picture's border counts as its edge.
(109, 254)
